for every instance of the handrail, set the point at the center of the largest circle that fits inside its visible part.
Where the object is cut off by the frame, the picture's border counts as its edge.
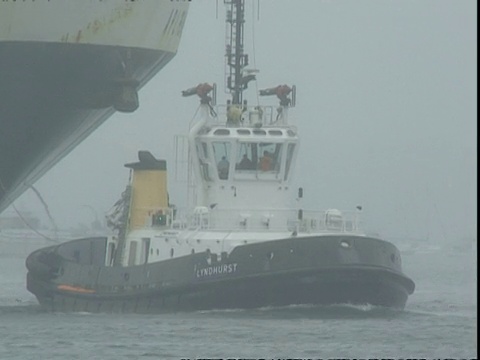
(248, 116)
(310, 221)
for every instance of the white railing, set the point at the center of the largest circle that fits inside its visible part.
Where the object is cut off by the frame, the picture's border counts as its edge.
(302, 221)
(248, 116)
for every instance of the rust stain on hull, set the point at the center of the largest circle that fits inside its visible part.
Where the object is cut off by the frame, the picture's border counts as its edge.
(98, 25)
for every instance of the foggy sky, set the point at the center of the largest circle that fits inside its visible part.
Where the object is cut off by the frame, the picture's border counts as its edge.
(386, 110)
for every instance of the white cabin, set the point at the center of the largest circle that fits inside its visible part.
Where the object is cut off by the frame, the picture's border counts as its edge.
(242, 163)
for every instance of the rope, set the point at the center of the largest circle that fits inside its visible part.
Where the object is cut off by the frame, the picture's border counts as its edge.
(45, 206)
(25, 221)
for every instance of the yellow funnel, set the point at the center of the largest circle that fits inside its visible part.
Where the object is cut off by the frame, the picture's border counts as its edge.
(149, 199)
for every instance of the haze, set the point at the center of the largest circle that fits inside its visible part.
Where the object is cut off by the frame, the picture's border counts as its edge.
(386, 108)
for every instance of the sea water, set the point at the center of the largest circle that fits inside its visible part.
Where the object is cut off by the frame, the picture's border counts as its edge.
(439, 321)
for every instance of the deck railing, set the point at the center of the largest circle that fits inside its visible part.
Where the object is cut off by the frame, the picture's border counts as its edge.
(248, 116)
(301, 221)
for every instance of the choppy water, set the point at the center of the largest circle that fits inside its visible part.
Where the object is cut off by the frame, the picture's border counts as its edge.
(439, 322)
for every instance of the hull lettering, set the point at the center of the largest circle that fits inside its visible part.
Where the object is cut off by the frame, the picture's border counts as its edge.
(215, 270)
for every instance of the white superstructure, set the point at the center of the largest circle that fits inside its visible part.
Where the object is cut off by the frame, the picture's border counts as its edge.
(241, 161)
(233, 201)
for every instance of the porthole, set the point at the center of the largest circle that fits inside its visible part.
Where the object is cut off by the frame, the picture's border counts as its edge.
(275, 132)
(221, 132)
(259, 132)
(243, 132)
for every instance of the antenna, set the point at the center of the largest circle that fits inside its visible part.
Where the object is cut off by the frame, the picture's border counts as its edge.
(235, 59)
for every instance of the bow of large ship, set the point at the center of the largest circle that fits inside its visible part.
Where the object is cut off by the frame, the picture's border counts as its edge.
(65, 67)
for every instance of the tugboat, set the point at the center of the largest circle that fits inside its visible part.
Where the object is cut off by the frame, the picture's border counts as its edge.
(244, 241)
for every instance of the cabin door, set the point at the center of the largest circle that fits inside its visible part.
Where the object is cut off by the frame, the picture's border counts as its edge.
(145, 250)
(132, 254)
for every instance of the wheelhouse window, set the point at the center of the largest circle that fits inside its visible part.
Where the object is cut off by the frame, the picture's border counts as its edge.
(258, 157)
(221, 153)
(246, 157)
(202, 151)
(290, 152)
(270, 157)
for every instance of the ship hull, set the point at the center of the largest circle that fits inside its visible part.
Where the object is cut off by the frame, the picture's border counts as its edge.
(65, 67)
(52, 97)
(313, 270)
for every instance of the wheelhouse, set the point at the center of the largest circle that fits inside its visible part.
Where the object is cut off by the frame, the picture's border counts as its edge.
(236, 154)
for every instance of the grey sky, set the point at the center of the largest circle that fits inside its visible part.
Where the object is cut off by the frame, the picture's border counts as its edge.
(386, 107)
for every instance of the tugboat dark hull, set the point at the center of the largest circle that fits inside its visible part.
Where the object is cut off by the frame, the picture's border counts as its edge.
(313, 270)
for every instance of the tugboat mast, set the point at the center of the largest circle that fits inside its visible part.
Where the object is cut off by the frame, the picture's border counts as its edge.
(235, 59)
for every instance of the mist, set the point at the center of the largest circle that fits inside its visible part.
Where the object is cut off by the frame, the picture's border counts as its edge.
(386, 111)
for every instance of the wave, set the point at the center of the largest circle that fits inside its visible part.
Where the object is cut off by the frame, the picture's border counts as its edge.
(449, 310)
(21, 309)
(338, 311)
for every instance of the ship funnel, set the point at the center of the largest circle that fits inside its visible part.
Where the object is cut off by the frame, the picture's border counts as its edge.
(149, 199)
